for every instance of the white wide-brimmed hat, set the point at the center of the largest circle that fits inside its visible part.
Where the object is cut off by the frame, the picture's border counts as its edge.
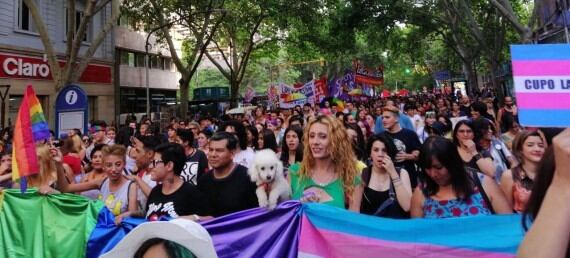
(182, 231)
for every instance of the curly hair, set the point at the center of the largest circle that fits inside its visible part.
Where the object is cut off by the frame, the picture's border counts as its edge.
(344, 161)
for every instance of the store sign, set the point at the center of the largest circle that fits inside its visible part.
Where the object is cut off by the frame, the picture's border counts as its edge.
(36, 68)
(19, 67)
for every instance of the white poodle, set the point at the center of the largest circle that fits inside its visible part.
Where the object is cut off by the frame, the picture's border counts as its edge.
(267, 172)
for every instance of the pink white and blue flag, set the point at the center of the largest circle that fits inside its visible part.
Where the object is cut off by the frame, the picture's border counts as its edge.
(541, 75)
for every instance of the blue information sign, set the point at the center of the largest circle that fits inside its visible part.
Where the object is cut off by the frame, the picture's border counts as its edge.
(71, 110)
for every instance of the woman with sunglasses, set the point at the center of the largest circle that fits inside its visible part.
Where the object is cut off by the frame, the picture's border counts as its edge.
(329, 172)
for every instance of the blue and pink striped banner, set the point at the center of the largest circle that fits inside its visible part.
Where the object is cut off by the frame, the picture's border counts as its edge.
(331, 232)
(316, 230)
(541, 75)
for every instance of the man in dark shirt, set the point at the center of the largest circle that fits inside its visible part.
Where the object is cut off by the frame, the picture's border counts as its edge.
(466, 105)
(173, 197)
(227, 186)
(406, 141)
(196, 160)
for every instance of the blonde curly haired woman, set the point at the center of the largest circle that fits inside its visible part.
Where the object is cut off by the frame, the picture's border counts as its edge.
(329, 172)
(46, 180)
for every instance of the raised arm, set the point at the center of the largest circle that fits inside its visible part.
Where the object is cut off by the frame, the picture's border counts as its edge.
(549, 234)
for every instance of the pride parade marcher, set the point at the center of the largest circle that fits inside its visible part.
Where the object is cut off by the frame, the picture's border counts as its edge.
(517, 182)
(387, 189)
(449, 191)
(172, 196)
(98, 132)
(227, 186)
(548, 236)
(329, 173)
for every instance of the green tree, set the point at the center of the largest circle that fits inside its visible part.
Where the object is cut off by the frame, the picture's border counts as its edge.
(200, 18)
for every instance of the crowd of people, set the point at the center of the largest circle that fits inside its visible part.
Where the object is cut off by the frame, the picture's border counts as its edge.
(417, 157)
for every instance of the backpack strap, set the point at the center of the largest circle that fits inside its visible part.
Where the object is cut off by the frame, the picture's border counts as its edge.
(482, 190)
(391, 199)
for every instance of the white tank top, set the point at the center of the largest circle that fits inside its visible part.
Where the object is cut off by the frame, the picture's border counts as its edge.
(117, 202)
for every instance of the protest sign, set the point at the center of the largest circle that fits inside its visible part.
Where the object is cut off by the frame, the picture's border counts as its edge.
(541, 75)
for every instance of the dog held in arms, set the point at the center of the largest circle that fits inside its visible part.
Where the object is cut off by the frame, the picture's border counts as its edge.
(267, 172)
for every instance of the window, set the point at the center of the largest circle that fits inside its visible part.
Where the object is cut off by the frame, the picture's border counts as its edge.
(156, 62)
(127, 58)
(127, 22)
(78, 16)
(25, 20)
(167, 64)
(139, 59)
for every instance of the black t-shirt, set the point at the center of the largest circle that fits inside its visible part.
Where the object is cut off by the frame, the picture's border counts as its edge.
(233, 193)
(466, 110)
(406, 141)
(187, 200)
(196, 165)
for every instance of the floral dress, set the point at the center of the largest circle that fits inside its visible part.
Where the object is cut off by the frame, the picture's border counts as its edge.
(473, 206)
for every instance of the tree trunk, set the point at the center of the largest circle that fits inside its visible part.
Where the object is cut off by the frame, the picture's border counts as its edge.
(470, 76)
(234, 93)
(496, 86)
(184, 87)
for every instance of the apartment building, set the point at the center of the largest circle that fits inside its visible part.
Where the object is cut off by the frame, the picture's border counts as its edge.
(131, 72)
(23, 60)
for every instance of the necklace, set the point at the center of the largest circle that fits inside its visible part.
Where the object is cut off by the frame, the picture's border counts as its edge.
(325, 182)
(328, 180)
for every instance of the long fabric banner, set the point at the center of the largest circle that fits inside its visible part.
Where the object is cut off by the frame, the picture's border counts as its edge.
(66, 225)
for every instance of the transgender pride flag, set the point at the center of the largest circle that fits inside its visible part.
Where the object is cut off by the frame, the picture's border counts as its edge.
(541, 75)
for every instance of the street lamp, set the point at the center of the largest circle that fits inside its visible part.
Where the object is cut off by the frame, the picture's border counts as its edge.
(147, 57)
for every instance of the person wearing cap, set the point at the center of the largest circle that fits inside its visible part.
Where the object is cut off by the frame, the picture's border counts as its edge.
(98, 131)
(172, 196)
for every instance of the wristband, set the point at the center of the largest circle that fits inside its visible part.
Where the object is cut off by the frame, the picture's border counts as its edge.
(196, 217)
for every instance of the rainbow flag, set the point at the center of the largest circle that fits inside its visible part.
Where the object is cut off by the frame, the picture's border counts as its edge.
(541, 75)
(31, 126)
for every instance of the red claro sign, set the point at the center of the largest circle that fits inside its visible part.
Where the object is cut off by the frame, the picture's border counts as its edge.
(35, 68)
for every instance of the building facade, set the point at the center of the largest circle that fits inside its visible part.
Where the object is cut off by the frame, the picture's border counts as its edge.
(23, 60)
(130, 70)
